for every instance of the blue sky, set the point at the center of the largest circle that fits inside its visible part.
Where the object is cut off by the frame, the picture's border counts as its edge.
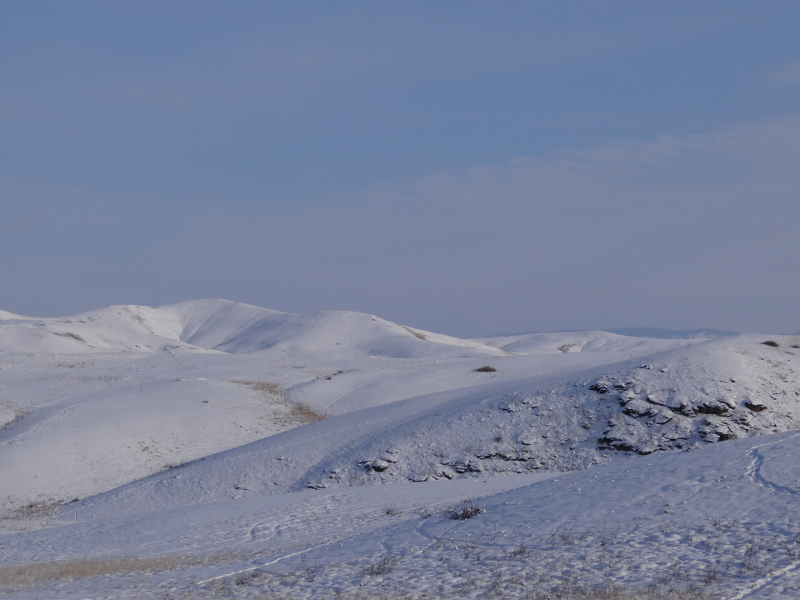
(466, 167)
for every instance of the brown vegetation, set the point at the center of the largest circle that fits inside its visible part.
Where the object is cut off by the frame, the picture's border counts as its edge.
(81, 568)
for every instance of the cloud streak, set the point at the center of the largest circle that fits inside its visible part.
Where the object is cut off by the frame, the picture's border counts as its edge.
(357, 156)
(678, 232)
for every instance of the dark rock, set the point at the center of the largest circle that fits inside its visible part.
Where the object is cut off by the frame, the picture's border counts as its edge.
(376, 465)
(755, 407)
(711, 408)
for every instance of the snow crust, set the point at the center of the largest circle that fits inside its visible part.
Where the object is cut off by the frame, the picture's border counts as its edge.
(238, 451)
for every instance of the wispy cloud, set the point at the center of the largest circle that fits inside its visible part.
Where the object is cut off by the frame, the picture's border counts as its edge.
(787, 74)
(678, 231)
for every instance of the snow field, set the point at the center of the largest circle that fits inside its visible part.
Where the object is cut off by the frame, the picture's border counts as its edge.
(212, 449)
(718, 525)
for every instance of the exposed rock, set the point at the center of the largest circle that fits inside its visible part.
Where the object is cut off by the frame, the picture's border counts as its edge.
(638, 408)
(712, 407)
(375, 465)
(754, 406)
(661, 418)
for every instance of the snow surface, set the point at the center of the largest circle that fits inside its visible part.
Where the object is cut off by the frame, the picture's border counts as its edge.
(579, 341)
(228, 450)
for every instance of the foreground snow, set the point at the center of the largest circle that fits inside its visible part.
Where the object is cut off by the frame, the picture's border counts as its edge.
(232, 450)
(723, 519)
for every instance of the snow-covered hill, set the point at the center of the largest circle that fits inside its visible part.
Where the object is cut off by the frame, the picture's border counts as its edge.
(230, 327)
(135, 433)
(724, 389)
(580, 341)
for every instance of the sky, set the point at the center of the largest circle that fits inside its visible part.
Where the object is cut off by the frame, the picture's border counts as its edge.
(459, 166)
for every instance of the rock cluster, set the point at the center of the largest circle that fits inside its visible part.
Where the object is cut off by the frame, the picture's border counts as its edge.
(663, 405)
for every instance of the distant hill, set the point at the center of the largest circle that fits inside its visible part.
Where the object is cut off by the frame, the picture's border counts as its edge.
(672, 334)
(216, 325)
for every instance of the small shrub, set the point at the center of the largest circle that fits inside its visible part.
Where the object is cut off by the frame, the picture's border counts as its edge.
(485, 369)
(463, 513)
(391, 511)
(771, 343)
(712, 574)
(248, 578)
(383, 567)
(568, 539)
(335, 373)
(310, 573)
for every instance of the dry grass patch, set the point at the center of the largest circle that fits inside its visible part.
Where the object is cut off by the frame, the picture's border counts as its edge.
(303, 413)
(267, 387)
(37, 509)
(22, 575)
(299, 413)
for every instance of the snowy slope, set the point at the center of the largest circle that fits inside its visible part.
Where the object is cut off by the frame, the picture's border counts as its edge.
(342, 332)
(103, 398)
(722, 521)
(670, 334)
(230, 327)
(580, 341)
(682, 398)
(193, 431)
